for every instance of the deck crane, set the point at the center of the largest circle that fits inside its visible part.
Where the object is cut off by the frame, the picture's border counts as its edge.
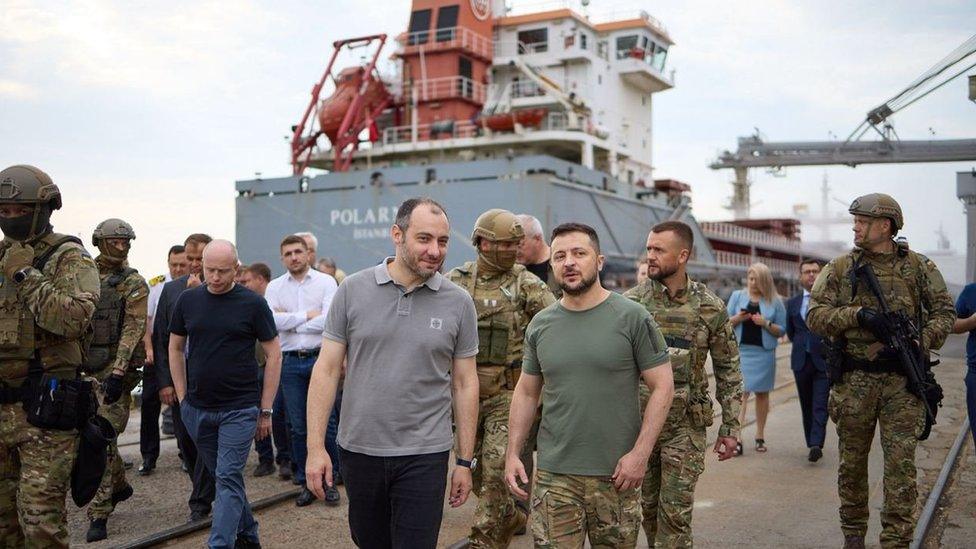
(754, 152)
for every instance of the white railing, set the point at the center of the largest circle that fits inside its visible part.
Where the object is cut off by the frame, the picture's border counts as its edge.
(429, 132)
(450, 87)
(733, 259)
(719, 230)
(448, 38)
(526, 88)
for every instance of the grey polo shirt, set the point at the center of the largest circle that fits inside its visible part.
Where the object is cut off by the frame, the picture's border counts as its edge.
(400, 348)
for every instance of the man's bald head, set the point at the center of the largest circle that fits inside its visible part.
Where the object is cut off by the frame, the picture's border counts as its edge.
(220, 264)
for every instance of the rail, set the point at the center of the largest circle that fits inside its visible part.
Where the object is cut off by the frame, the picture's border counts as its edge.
(747, 236)
(554, 121)
(450, 87)
(445, 39)
(735, 259)
(927, 517)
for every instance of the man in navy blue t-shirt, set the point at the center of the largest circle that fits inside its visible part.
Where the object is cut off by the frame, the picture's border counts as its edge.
(224, 406)
(966, 311)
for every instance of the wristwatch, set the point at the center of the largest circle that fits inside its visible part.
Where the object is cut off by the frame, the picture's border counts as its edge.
(21, 275)
(469, 464)
(266, 412)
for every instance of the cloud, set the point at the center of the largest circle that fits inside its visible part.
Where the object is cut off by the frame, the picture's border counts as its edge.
(12, 89)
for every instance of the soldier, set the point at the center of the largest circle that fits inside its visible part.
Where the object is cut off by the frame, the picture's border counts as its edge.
(115, 357)
(868, 384)
(506, 296)
(47, 296)
(694, 322)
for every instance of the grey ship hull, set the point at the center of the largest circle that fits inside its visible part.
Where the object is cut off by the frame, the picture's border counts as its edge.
(351, 212)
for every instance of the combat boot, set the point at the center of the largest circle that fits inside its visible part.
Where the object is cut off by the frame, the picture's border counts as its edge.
(97, 531)
(853, 542)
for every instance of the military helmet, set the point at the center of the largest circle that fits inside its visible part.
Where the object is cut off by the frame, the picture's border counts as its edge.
(497, 225)
(112, 228)
(878, 205)
(23, 184)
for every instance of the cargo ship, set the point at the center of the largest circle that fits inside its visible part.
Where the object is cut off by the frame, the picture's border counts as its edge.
(539, 112)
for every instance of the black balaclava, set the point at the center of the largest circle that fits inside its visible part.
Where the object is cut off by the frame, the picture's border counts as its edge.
(28, 226)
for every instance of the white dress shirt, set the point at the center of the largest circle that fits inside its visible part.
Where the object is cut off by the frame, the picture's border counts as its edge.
(805, 305)
(291, 300)
(154, 293)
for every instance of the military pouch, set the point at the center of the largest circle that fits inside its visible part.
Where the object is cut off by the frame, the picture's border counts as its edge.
(104, 328)
(491, 381)
(492, 342)
(700, 414)
(933, 395)
(96, 359)
(61, 404)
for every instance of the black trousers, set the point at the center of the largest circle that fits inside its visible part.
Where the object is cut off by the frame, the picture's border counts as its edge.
(149, 414)
(204, 491)
(395, 502)
(813, 389)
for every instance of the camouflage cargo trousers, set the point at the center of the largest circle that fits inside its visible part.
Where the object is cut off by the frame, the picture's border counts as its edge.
(856, 405)
(495, 517)
(113, 481)
(668, 491)
(35, 468)
(569, 509)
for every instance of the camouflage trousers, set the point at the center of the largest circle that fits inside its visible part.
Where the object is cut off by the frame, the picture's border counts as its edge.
(35, 468)
(568, 509)
(495, 517)
(856, 405)
(113, 481)
(668, 491)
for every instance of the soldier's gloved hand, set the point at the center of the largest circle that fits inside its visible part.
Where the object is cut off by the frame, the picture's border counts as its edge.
(16, 258)
(112, 387)
(871, 320)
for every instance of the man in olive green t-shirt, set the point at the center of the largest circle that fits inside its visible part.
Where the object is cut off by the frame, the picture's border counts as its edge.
(586, 356)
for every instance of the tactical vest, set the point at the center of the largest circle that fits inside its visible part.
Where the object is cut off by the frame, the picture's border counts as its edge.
(21, 339)
(500, 306)
(686, 334)
(107, 324)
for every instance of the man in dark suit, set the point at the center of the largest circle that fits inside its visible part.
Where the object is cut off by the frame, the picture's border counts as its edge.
(807, 362)
(201, 499)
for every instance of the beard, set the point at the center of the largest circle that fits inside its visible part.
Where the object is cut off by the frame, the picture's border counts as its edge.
(412, 262)
(581, 287)
(662, 272)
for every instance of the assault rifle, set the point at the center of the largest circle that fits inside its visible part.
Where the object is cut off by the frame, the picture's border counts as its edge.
(900, 336)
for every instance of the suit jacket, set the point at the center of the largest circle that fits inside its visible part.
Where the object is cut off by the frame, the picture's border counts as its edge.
(803, 339)
(160, 334)
(773, 312)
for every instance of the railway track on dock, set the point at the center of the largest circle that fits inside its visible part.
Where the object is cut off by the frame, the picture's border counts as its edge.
(934, 508)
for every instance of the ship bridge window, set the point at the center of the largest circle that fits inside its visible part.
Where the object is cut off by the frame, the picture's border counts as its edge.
(447, 18)
(626, 46)
(659, 57)
(582, 40)
(419, 27)
(533, 41)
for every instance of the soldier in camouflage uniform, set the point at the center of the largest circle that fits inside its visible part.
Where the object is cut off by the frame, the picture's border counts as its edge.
(872, 388)
(115, 357)
(506, 297)
(47, 296)
(694, 322)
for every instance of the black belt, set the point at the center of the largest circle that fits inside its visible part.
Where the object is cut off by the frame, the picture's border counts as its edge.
(883, 366)
(302, 353)
(677, 342)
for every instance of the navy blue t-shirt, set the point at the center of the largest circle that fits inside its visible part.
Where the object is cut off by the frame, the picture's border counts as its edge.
(965, 307)
(221, 370)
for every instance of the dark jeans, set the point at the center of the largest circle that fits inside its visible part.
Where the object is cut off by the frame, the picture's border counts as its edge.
(202, 495)
(813, 388)
(397, 501)
(279, 431)
(149, 416)
(971, 399)
(295, 376)
(223, 439)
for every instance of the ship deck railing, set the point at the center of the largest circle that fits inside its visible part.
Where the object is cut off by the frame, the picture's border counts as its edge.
(744, 235)
(445, 39)
(780, 267)
(449, 87)
(554, 121)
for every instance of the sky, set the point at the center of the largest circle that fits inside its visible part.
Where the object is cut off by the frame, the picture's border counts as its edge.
(150, 111)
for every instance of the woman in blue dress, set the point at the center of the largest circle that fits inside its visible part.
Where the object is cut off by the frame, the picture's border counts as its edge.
(758, 318)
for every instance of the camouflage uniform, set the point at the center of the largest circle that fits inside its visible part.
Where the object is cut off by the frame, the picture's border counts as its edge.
(43, 316)
(913, 284)
(127, 354)
(570, 508)
(694, 322)
(505, 301)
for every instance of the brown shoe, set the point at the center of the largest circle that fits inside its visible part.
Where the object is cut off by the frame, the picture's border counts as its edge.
(853, 542)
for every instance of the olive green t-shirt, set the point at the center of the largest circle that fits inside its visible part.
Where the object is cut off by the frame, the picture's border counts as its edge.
(591, 363)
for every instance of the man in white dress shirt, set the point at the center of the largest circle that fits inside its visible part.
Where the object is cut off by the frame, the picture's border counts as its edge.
(300, 300)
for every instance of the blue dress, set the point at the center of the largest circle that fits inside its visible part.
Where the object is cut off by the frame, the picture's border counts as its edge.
(757, 355)
(758, 368)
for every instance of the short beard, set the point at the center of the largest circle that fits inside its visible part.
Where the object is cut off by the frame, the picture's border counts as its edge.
(584, 285)
(304, 268)
(662, 273)
(413, 264)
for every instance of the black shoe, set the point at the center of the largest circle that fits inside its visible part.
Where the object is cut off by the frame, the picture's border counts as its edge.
(853, 542)
(305, 498)
(198, 515)
(121, 495)
(127, 464)
(331, 496)
(815, 454)
(264, 469)
(242, 543)
(147, 467)
(284, 470)
(96, 531)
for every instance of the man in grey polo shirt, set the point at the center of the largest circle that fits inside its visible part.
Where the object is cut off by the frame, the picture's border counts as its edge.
(409, 337)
